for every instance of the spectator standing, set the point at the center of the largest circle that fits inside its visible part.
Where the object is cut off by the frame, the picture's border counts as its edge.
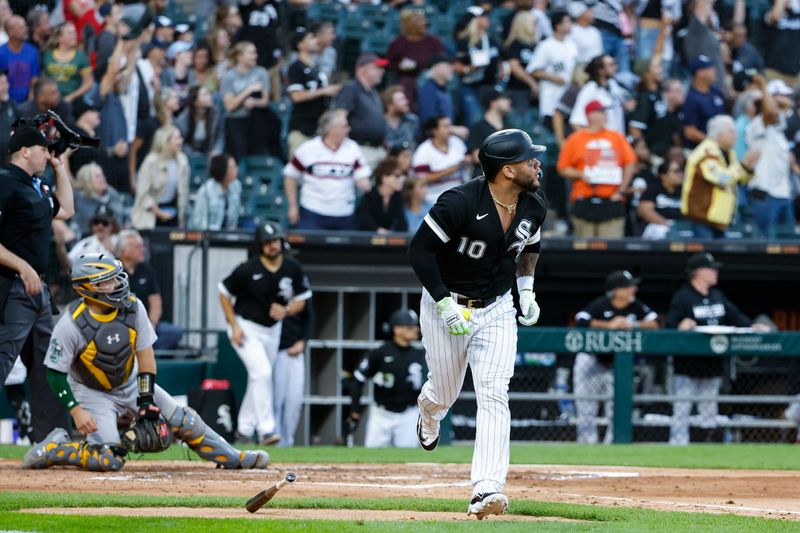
(103, 228)
(308, 89)
(67, 64)
(178, 75)
(654, 18)
(261, 26)
(415, 193)
(586, 37)
(46, 97)
(327, 57)
(518, 49)
(218, 201)
(393, 416)
(361, 101)
(497, 105)
(91, 192)
(659, 115)
(114, 131)
(203, 70)
(477, 62)
(8, 115)
(608, 15)
(244, 87)
(19, 59)
(131, 251)
(783, 32)
(703, 101)
(593, 374)
(603, 87)
(712, 176)
(743, 54)
(38, 21)
(561, 126)
(87, 120)
(411, 51)
(552, 64)
(330, 167)
(289, 374)
(162, 191)
(699, 303)
(220, 43)
(441, 161)
(600, 163)
(700, 40)
(381, 209)
(5, 14)
(27, 208)
(660, 204)
(769, 192)
(434, 99)
(402, 126)
(202, 124)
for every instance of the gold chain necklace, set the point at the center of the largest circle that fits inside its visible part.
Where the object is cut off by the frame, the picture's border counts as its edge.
(508, 207)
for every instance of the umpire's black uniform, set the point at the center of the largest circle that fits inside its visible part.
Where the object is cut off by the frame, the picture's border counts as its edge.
(27, 208)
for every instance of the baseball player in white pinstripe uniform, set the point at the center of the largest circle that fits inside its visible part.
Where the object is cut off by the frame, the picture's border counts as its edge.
(476, 240)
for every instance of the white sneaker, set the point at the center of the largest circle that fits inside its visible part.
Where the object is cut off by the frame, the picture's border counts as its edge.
(490, 503)
(428, 436)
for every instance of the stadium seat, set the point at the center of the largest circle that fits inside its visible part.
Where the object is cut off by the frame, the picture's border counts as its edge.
(377, 43)
(330, 11)
(198, 171)
(681, 229)
(263, 207)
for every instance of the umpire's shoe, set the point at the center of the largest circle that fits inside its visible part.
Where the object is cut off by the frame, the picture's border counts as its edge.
(253, 459)
(428, 437)
(39, 455)
(488, 503)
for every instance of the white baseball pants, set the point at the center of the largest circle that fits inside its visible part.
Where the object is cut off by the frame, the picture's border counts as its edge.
(258, 354)
(387, 428)
(706, 409)
(590, 378)
(490, 350)
(289, 379)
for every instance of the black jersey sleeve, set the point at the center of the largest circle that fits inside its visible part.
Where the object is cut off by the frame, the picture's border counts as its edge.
(594, 310)
(733, 315)
(300, 284)
(644, 313)
(236, 283)
(678, 309)
(296, 79)
(369, 366)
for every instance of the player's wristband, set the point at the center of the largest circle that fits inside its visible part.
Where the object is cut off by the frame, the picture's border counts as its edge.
(525, 283)
(147, 383)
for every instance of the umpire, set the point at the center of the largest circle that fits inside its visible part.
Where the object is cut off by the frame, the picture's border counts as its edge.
(27, 207)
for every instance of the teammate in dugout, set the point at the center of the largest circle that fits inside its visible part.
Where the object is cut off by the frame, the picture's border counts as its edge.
(593, 374)
(478, 240)
(396, 368)
(256, 297)
(101, 366)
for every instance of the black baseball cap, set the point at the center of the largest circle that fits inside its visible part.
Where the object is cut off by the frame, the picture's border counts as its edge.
(620, 279)
(102, 213)
(495, 93)
(703, 260)
(437, 58)
(25, 137)
(404, 317)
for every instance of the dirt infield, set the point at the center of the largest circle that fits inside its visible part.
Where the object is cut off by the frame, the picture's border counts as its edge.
(771, 494)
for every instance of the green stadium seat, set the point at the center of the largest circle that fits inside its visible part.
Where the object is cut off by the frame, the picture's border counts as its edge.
(377, 43)
(330, 11)
(198, 171)
(681, 229)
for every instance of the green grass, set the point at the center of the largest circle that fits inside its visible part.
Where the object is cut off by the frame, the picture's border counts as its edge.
(739, 456)
(596, 518)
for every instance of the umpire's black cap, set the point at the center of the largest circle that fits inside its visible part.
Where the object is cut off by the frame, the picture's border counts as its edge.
(505, 147)
(620, 279)
(702, 260)
(404, 317)
(269, 231)
(25, 137)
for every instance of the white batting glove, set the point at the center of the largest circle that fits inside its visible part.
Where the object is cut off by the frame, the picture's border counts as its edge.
(527, 301)
(454, 316)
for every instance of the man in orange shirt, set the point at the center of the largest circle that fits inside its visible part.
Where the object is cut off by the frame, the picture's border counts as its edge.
(600, 163)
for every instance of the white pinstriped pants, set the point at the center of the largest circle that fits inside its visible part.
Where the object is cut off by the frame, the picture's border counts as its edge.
(490, 350)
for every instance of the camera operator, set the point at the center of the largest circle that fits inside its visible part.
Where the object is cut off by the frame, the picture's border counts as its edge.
(27, 207)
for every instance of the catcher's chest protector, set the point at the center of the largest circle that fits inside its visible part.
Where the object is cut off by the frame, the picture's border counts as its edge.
(107, 360)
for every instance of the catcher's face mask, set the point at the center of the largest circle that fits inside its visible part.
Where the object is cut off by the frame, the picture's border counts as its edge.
(101, 279)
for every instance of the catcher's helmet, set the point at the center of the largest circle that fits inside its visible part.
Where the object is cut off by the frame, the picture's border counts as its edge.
(505, 147)
(101, 278)
(269, 231)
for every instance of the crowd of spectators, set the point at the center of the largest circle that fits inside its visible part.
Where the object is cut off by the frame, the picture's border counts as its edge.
(627, 95)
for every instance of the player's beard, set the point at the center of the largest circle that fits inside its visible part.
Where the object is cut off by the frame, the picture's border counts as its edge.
(529, 183)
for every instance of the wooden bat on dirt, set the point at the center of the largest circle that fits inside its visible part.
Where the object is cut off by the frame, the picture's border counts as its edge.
(257, 502)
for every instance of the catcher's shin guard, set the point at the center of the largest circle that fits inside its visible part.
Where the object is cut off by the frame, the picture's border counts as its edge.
(58, 450)
(191, 429)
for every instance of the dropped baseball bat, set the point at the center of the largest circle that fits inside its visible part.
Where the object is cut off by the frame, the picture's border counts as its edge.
(257, 502)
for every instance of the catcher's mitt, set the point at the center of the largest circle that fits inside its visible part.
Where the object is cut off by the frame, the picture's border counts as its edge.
(147, 435)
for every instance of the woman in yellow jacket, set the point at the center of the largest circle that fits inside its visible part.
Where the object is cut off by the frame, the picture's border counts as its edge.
(712, 175)
(162, 185)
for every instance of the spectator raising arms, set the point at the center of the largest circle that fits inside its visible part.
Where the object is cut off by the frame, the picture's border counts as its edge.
(162, 190)
(218, 202)
(67, 64)
(381, 209)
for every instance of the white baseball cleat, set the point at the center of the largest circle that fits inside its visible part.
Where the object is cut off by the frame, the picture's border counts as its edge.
(490, 503)
(428, 436)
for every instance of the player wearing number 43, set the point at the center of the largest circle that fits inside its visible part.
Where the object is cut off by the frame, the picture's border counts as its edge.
(396, 369)
(480, 240)
(100, 365)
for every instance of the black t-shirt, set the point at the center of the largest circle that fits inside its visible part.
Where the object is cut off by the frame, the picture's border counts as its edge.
(143, 283)
(475, 258)
(256, 288)
(712, 310)
(483, 75)
(260, 26)
(668, 204)
(602, 309)
(371, 213)
(26, 212)
(477, 134)
(782, 53)
(523, 53)
(302, 77)
(398, 374)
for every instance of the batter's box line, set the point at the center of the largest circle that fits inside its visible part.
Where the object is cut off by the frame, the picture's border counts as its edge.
(393, 485)
(681, 504)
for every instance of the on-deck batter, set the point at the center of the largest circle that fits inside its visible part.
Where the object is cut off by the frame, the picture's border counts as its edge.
(475, 241)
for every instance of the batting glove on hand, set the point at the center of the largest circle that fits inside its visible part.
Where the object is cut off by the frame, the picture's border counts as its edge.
(527, 301)
(454, 316)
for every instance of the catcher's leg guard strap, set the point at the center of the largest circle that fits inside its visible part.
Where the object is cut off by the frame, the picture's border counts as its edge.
(191, 429)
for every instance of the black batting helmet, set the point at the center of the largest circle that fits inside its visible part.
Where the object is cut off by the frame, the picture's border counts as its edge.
(269, 231)
(505, 147)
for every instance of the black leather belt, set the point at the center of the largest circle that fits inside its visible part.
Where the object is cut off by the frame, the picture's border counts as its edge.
(475, 304)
